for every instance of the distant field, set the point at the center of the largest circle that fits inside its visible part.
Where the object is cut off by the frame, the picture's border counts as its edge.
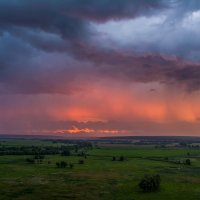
(100, 178)
(105, 145)
(145, 152)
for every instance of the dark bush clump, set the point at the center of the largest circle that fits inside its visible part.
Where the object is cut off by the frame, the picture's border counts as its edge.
(30, 160)
(71, 165)
(61, 164)
(150, 183)
(81, 162)
(65, 152)
(121, 158)
(114, 158)
(188, 162)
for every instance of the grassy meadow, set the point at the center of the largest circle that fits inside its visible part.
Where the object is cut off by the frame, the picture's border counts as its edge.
(99, 177)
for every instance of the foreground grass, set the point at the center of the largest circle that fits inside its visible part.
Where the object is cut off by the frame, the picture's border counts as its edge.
(100, 178)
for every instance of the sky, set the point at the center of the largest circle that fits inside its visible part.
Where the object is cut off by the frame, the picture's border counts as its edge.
(100, 67)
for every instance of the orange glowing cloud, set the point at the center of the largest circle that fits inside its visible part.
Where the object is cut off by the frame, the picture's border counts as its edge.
(76, 130)
(106, 101)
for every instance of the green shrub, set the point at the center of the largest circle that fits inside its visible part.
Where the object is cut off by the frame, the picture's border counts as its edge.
(81, 162)
(61, 164)
(188, 162)
(121, 158)
(71, 165)
(150, 183)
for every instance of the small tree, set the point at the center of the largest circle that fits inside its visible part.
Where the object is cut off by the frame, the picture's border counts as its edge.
(30, 160)
(63, 164)
(150, 183)
(166, 158)
(121, 158)
(58, 164)
(76, 148)
(113, 158)
(188, 162)
(71, 165)
(81, 162)
(39, 158)
(66, 152)
(82, 154)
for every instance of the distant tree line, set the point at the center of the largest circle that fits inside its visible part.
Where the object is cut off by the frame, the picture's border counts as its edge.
(33, 150)
(64, 150)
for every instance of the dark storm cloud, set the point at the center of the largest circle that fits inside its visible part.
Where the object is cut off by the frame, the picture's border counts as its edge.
(45, 13)
(34, 33)
(69, 18)
(143, 68)
(44, 41)
(189, 75)
(25, 70)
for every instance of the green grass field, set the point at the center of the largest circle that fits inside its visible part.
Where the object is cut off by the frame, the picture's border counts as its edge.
(100, 178)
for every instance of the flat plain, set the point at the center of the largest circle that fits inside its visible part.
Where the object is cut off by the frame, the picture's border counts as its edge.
(99, 177)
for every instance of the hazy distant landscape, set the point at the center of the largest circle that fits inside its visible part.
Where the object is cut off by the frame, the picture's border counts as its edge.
(99, 99)
(99, 169)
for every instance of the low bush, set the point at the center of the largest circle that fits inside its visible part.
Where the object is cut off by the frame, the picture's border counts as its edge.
(150, 183)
